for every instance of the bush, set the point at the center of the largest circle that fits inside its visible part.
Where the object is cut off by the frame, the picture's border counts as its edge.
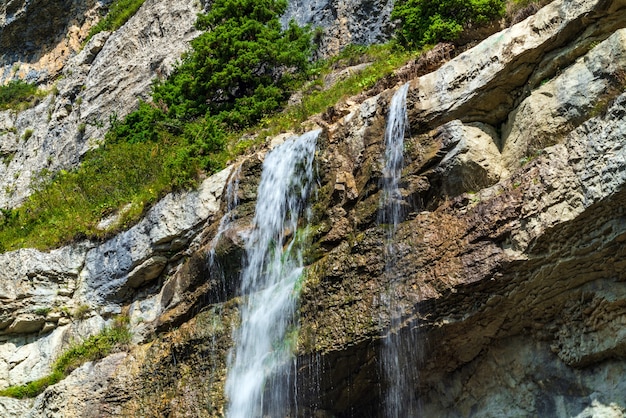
(241, 68)
(139, 126)
(425, 22)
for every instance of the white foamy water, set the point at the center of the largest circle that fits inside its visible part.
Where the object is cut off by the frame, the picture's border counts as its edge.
(260, 375)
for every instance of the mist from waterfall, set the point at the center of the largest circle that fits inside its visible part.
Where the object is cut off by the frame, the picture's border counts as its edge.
(260, 374)
(398, 351)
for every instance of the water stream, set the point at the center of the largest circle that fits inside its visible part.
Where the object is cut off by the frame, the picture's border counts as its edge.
(260, 368)
(399, 350)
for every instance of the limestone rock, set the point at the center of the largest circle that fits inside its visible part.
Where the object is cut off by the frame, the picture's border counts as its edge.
(82, 393)
(474, 161)
(483, 84)
(24, 358)
(32, 281)
(561, 104)
(37, 37)
(514, 296)
(138, 255)
(10, 407)
(344, 22)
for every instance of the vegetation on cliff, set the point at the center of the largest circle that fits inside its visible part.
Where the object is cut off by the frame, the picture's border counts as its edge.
(197, 120)
(430, 21)
(18, 94)
(118, 13)
(93, 348)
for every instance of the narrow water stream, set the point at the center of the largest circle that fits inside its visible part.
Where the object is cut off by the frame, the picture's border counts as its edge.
(399, 351)
(260, 368)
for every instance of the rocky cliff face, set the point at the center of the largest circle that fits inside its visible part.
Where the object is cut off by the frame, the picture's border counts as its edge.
(510, 273)
(108, 77)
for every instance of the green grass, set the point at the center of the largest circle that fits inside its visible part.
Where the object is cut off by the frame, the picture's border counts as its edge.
(118, 14)
(384, 60)
(93, 348)
(19, 95)
(69, 205)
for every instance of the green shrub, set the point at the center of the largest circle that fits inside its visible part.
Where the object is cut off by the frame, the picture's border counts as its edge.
(241, 68)
(425, 22)
(42, 311)
(139, 126)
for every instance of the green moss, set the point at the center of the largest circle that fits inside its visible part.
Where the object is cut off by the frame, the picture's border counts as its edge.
(32, 389)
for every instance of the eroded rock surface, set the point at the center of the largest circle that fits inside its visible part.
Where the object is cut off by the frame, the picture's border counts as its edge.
(509, 269)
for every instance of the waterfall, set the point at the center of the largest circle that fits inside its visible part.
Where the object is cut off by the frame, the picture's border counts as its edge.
(398, 351)
(259, 378)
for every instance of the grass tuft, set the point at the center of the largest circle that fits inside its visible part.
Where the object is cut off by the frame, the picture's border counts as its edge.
(119, 13)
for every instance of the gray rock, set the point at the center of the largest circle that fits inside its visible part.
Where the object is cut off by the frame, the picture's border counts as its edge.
(561, 104)
(138, 255)
(32, 281)
(474, 162)
(10, 407)
(344, 22)
(82, 394)
(484, 83)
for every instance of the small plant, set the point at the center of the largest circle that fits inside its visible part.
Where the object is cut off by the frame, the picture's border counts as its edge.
(81, 312)
(42, 311)
(27, 134)
(118, 14)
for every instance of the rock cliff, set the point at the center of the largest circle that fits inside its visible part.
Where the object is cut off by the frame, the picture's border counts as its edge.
(509, 276)
(108, 77)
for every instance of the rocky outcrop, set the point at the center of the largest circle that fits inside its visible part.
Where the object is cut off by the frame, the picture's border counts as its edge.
(50, 299)
(341, 23)
(106, 79)
(37, 37)
(509, 264)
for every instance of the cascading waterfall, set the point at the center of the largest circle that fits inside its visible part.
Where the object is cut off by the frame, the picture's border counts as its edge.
(398, 351)
(259, 378)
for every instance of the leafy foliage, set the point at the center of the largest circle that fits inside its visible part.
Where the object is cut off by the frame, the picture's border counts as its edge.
(93, 348)
(17, 94)
(70, 204)
(425, 22)
(118, 14)
(241, 68)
